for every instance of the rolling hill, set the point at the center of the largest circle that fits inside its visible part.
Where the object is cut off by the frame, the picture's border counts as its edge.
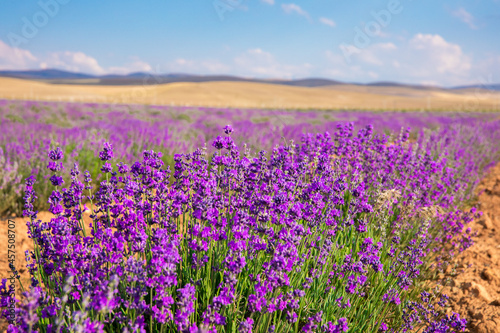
(241, 94)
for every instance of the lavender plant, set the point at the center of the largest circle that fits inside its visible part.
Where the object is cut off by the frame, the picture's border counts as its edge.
(334, 234)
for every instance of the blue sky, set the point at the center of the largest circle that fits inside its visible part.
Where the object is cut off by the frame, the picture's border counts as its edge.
(427, 41)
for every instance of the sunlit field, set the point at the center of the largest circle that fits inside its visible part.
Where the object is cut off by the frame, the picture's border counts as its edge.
(191, 219)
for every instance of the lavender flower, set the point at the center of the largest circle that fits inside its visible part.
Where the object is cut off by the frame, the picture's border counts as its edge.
(56, 154)
(107, 153)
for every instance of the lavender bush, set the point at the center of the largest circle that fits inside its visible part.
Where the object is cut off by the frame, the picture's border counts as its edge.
(29, 129)
(332, 234)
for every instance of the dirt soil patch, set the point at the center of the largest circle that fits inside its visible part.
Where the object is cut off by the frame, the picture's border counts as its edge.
(474, 288)
(22, 244)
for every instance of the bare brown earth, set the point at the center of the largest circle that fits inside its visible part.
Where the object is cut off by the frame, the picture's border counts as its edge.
(258, 95)
(22, 244)
(475, 289)
(473, 283)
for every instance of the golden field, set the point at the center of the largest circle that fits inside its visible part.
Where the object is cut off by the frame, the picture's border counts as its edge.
(258, 95)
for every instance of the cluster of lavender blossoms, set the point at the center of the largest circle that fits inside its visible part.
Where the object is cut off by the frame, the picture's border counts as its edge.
(330, 235)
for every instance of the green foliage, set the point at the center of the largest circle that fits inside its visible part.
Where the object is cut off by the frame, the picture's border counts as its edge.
(14, 118)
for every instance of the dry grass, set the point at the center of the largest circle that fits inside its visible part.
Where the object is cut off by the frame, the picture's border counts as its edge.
(258, 95)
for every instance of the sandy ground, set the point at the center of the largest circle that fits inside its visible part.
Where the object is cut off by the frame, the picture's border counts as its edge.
(258, 95)
(22, 244)
(475, 290)
(474, 286)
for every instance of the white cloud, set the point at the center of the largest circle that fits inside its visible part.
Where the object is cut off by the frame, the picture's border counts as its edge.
(338, 68)
(464, 16)
(488, 70)
(328, 22)
(372, 56)
(250, 63)
(133, 67)
(73, 62)
(423, 58)
(294, 8)
(255, 55)
(198, 67)
(13, 58)
(444, 57)
(269, 2)
(259, 63)
(83, 63)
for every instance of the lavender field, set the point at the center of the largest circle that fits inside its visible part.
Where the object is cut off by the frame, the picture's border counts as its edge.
(281, 221)
(29, 129)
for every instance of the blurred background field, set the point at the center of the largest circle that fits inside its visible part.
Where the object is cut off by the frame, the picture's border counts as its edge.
(259, 95)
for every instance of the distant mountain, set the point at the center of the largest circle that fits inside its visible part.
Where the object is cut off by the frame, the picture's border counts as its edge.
(56, 76)
(140, 75)
(397, 84)
(45, 74)
(494, 87)
(149, 79)
(310, 82)
(153, 79)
